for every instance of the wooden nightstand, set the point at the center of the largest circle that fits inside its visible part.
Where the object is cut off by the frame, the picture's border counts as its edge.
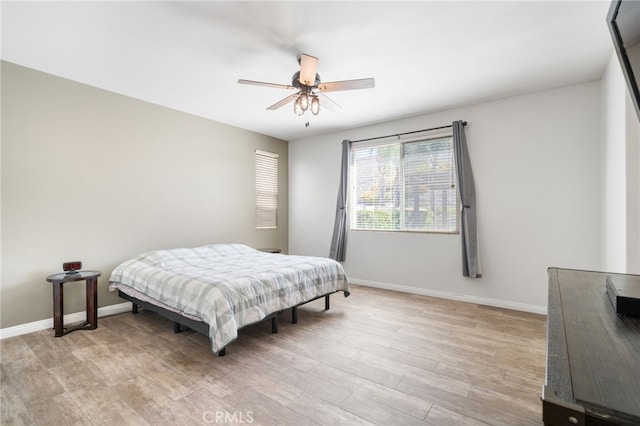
(91, 280)
(270, 250)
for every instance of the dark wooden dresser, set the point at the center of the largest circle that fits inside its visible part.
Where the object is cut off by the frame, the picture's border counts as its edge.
(593, 354)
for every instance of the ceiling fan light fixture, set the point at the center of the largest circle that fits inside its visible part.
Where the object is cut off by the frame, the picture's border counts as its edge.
(304, 101)
(297, 108)
(307, 81)
(315, 105)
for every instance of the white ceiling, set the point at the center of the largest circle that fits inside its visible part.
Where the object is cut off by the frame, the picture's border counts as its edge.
(425, 56)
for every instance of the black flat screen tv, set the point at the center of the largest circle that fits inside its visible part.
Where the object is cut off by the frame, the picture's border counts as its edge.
(624, 24)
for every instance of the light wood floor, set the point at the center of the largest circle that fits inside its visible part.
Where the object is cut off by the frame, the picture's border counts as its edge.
(377, 357)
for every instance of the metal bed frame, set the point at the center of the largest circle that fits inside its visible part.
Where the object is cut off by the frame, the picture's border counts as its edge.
(202, 327)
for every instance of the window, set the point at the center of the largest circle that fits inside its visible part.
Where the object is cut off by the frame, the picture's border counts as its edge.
(266, 190)
(404, 186)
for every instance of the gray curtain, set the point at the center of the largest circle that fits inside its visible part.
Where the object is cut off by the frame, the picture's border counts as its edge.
(338, 247)
(467, 188)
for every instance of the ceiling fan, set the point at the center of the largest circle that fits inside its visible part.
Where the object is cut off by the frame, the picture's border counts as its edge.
(310, 89)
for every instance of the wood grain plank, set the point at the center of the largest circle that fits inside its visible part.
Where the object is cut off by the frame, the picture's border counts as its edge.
(60, 409)
(381, 395)
(267, 411)
(362, 406)
(378, 357)
(439, 416)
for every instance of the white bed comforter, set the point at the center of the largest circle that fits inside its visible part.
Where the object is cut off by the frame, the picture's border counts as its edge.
(227, 286)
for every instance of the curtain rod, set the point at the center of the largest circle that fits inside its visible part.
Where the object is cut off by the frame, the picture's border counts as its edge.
(464, 123)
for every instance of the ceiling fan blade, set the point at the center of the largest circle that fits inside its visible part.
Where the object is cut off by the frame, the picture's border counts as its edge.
(334, 86)
(261, 83)
(283, 102)
(308, 66)
(328, 103)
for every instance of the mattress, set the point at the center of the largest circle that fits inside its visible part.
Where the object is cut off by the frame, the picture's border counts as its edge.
(227, 286)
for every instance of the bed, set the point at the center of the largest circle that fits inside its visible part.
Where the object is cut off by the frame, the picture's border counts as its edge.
(218, 289)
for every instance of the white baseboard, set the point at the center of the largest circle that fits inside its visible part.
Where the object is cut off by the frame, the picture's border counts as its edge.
(68, 319)
(453, 296)
(126, 307)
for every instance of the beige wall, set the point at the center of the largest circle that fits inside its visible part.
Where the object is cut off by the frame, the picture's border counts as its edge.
(95, 176)
(536, 165)
(620, 177)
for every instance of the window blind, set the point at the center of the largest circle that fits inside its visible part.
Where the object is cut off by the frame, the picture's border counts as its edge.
(266, 190)
(404, 186)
